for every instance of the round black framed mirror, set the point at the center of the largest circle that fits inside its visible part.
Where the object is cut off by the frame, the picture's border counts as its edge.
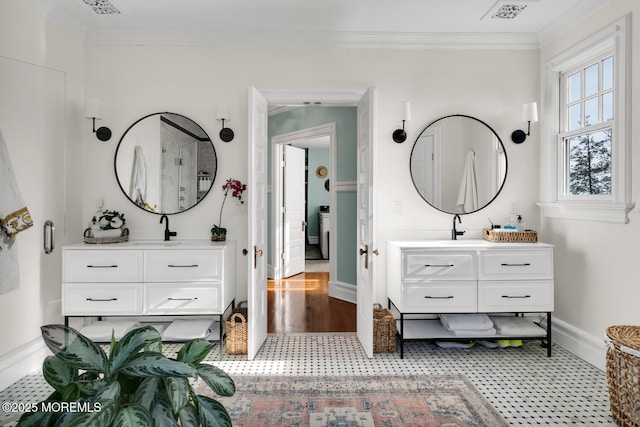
(165, 163)
(458, 164)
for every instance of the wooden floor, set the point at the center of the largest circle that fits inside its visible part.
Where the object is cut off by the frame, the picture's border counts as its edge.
(301, 304)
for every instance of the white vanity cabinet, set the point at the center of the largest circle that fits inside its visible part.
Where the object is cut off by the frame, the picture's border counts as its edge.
(467, 276)
(148, 279)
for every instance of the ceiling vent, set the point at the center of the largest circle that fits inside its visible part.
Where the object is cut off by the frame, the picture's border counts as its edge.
(508, 11)
(102, 7)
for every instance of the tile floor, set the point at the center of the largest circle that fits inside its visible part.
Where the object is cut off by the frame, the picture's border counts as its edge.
(522, 383)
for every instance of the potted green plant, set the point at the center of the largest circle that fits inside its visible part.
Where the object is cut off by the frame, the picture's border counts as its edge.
(134, 385)
(219, 233)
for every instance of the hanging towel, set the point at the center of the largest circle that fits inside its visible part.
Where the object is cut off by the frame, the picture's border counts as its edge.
(468, 191)
(138, 186)
(14, 218)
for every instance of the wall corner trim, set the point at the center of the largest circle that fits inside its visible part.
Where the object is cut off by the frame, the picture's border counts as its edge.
(588, 347)
(22, 361)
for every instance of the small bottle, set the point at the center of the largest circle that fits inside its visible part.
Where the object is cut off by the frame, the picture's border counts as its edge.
(519, 223)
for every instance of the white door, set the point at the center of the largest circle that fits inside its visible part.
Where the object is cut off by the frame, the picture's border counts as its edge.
(365, 201)
(294, 209)
(32, 120)
(257, 227)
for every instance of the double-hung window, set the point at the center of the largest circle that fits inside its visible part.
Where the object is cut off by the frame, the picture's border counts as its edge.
(586, 171)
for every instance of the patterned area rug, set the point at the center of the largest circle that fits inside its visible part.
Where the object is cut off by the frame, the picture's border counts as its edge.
(400, 401)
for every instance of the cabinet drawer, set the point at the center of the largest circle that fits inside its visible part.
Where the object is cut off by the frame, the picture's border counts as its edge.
(188, 298)
(95, 299)
(102, 266)
(516, 265)
(182, 265)
(497, 296)
(447, 297)
(438, 265)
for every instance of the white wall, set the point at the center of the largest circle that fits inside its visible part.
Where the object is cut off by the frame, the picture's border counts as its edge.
(597, 266)
(30, 44)
(133, 81)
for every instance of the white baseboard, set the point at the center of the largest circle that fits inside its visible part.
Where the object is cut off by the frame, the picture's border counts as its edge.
(22, 361)
(584, 345)
(343, 291)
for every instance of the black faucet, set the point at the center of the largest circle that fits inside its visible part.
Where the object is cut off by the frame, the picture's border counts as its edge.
(455, 233)
(167, 234)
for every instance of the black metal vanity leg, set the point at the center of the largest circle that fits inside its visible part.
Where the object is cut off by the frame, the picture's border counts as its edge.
(66, 321)
(549, 334)
(401, 336)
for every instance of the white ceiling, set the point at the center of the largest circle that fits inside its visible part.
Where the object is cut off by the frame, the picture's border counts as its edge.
(349, 23)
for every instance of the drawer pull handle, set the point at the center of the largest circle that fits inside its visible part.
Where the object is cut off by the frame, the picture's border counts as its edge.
(526, 264)
(182, 299)
(516, 296)
(439, 265)
(102, 266)
(447, 297)
(101, 299)
(182, 266)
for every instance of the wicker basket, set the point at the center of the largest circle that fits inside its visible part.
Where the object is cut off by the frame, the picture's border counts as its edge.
(527, 236)
(623, 374)
(384, 330)
(236, 326)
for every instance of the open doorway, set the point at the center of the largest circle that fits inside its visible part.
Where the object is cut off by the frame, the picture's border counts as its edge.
(351, 189)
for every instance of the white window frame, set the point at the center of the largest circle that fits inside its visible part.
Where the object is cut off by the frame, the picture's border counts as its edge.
(615, 39)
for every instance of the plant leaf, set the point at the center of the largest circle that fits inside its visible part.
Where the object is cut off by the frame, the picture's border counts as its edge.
(162, 416)
(217, 379)
(74, 348)
(71, 393)
(91, 387)
(130, 345)
(177, 392)
(188, 416)
(102, 417)
(194, 351)
(212, 413)
(34, 419)
(133, 415)
(109, 392)
(148, 391)
(155, 364)
(58, 373)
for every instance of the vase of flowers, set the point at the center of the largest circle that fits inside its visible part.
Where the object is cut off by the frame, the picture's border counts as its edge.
(219, 233)
(108, 224)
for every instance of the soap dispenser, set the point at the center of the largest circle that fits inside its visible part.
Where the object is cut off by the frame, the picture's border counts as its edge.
(519, 223)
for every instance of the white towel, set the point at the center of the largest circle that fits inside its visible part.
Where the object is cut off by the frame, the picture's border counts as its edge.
(471, 333)
(138, 185)
(14, 218)
(468, 191)
(102, 330)
(516, 326)
(182, 330)
(466, 322)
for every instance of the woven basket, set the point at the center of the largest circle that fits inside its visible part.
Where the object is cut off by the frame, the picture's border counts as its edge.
(236, 326)
(527, 236)
(623, 374)
(384, 330)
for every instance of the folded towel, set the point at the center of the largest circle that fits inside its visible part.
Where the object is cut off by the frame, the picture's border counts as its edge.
(181, 330)
(101, 331)
(516, 326)
(470, 333)
(466, 322)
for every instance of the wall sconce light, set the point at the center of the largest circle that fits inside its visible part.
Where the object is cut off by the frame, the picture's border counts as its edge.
(226, 134)
(399, 135)
(93, 110)
(529, 114)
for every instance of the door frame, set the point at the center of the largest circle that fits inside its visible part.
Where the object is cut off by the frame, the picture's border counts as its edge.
(277, 181)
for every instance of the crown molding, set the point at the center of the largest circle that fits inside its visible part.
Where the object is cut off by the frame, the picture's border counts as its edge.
(579, 12)
(322, 39)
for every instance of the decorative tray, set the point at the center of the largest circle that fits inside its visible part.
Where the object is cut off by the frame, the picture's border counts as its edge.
(527, 236)
(123, 237)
